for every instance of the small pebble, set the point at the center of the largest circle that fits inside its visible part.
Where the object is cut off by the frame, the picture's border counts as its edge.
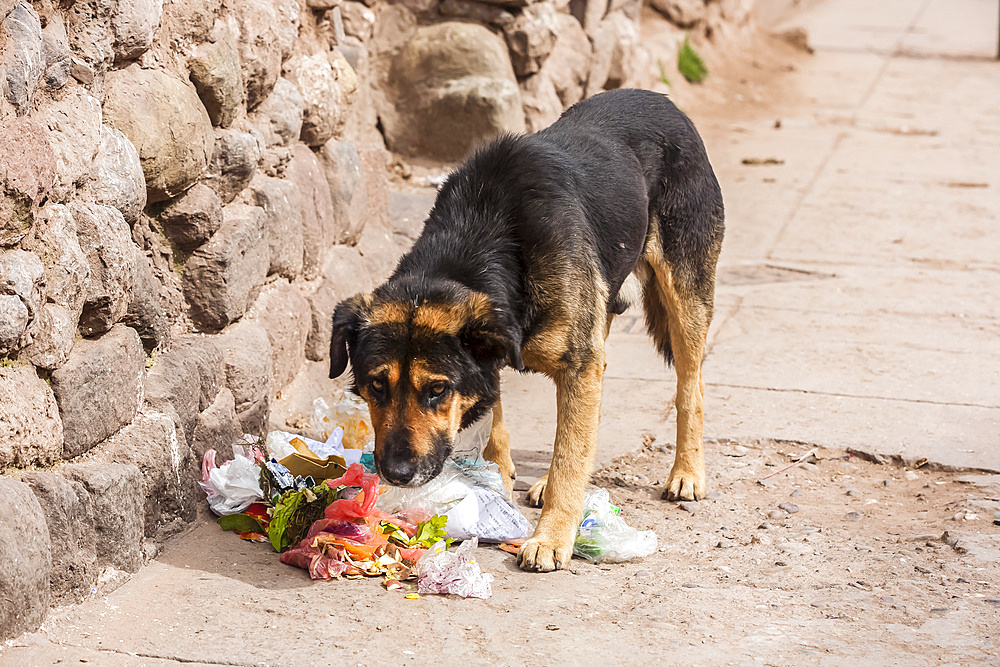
(643, 574)
(911, 475)
(662, 449)
(939, 610)
(760, 539)
(853, 493)
(854, 516)
(996, 516)
(688, 506)
(774, 514)
(765, 526)
(963, 580)
(921, 569)
(791, 508)
(818, 605)
(780, 563)
(796, 492)
(885, 482)
(715, 495)
(993, 600)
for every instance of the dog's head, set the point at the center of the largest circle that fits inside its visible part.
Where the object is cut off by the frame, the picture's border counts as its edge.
(426, 357)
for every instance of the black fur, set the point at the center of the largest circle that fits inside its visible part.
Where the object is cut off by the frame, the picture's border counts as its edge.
(538, 224)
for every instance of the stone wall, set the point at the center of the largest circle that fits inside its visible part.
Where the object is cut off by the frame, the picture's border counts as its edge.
(187, 189)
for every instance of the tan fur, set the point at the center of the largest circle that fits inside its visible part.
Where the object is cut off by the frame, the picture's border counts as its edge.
(685, 321)
(498, 448)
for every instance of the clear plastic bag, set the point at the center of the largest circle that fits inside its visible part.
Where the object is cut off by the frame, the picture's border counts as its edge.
(453, 572)
(603, 536)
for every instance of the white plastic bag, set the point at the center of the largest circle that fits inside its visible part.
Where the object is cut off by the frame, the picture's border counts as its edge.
(233, 486)
(486, 515)
(453, 572)
(603, 536)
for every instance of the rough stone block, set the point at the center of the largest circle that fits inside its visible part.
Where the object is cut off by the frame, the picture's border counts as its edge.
(454, 70)
(342, 166)
(282, 203)
(155, 442)
(189, 376)
(118, 179)
(31, 431)
(318, 217)
(268, 31)
(134, 23)
(70, 520)
(25, 560)
(56, 53)
(27, 172)
(191, 219)
(285, 315)
(322, 95)
(73, 122)
(99, 389)
(21, 275)
(67, 271)
(145, 311)
(615, 42)
(346, 274)
(235, 159)
(279, 116)
(249, 372)
(52, 337)
(224, 276)
(530, 38)
(166, 122)
(218, 427)
(21, 60)
(191, 19)
(215, 72)
(117, 502)
(106, 241)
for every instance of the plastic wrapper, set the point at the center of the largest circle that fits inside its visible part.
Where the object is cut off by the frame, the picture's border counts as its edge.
(604, 536)
(488, 516)
(453, 572)
(349, 414)
(233, 486)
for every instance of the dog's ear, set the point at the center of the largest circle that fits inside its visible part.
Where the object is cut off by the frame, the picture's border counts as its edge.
(487, 337)
(347, 318)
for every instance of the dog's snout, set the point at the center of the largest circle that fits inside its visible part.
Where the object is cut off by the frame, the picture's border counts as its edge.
(397, 464)
(398, 470)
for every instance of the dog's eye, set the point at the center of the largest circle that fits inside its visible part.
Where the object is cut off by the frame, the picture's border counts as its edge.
(377, 386)
(438, 389)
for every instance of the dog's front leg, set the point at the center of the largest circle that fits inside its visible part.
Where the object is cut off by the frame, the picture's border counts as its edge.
(578, 406)
(498, 448)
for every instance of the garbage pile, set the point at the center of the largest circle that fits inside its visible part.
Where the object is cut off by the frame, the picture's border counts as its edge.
(319, 503)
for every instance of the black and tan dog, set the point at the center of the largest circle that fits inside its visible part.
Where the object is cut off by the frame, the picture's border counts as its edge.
(522, 262)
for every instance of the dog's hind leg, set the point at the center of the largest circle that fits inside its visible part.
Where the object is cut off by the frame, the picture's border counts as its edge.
(686, 318)
(498, 448)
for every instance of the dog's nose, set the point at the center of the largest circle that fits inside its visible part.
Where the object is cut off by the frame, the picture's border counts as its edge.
(398, 470)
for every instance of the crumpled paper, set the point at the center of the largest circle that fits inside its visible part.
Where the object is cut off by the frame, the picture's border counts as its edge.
(453, 572)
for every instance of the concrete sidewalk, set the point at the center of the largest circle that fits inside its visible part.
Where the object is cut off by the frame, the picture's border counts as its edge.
(858, 306)
(859, 296)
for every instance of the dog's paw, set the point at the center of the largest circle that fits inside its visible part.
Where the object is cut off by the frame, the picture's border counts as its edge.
(684, 484)
(541, 554)
(536, 494)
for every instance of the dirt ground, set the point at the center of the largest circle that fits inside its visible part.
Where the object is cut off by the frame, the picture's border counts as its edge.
(834, 562)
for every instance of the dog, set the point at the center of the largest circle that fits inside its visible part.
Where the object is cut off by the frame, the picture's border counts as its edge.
(522, 262)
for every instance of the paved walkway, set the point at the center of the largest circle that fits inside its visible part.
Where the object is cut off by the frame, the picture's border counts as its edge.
(858, 305)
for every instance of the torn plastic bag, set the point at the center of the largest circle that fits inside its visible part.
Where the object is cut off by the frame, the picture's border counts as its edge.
(464, 471)
(233, 486)
(453, 572)
(603, 536)
(487, 515)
